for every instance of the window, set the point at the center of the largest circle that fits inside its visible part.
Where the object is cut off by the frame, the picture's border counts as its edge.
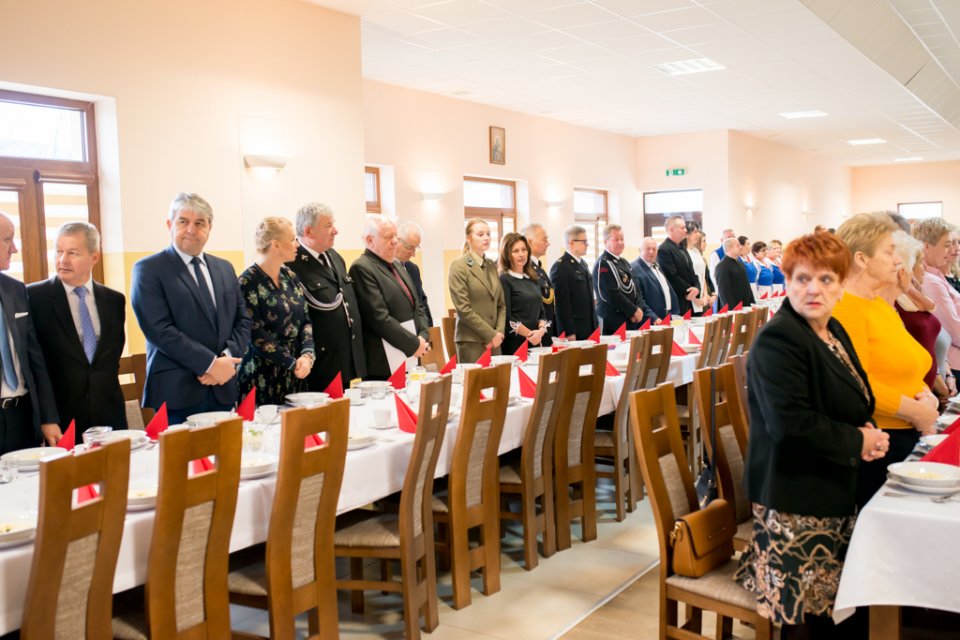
(495, 201)
(660, 205)
(590, 212)
(48, 175)
(371, 183)
(919, 210)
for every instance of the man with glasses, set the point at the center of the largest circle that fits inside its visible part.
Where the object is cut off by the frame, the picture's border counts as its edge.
(408, 235)
(576, 316)
(677, 265)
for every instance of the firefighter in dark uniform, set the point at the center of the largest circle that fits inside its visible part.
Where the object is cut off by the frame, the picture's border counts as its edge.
(619, 299)
(536, 237)
(576, 316)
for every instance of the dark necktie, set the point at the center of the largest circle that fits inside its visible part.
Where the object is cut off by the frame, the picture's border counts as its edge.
(205, 294)
(403, 286)
(9, 368)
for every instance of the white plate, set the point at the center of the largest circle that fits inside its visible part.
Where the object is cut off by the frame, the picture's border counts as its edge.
(512, 400)
(360, 442)
(308, 398)
(136, 437)
(19, 541)
(384, 427)
(497, 360)
(932, 441)
(256, 465)
(926, 474)
(947, 419)
(209, 417)
(141, 499)
(611, 339)
(17, 527)
(933, 491)
(29, 459)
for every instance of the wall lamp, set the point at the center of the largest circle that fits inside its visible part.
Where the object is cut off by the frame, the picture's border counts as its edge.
(432, 196)
(264, 167)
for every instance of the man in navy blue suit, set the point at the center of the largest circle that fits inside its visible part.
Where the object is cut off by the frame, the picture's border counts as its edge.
(190, 308)
(658, 293)
(408, 237)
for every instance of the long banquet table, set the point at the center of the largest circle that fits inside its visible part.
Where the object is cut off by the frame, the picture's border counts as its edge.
(370, 474)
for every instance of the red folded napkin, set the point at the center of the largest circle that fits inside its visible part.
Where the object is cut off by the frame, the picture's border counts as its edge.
(725, 308)
(708, 312)
(953, 427)
(528, 388)
(450, 366)
(739, 307)
(335, 388)
(312, 440)
(158, 423)
(484, 359)
(522, 351)
(947, 452)
(612, 370)
(677, 350)
(555, 349)
(664, 322)
(398, 379)
(595, 336)
(201, 465)
(249, 405)
(563, 336)
(783, 293)
(406, 417)
(765, 295)
(645, 325)
(688, 314)
(621, 332)
(69, 438)
(692, 337)
(771, 314)
(87, 493)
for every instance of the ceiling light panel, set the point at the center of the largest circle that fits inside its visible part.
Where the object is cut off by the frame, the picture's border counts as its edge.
(686, 67)
(859, 142)
(797, 115)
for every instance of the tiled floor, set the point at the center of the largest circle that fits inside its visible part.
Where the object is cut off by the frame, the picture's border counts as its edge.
(531, 605)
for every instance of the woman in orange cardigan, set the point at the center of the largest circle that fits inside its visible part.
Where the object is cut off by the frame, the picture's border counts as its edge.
(894, 361)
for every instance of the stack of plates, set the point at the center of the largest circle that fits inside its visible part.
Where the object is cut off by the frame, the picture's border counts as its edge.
(29, 459)
(498, 360)
(141, 498)
(256, 465)
(209, 418)
(308, 399)
(17, 528)
(931, 441)
(360, 441)
(136, 437)
(926, 477)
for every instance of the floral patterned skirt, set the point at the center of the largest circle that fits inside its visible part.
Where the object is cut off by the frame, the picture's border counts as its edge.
(793, 563)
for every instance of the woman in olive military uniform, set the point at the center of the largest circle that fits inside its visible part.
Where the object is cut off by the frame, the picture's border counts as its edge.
(477, 296)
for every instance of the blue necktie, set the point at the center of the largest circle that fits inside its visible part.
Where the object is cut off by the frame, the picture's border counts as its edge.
(89, 337)
(204, 289)
(9, 370)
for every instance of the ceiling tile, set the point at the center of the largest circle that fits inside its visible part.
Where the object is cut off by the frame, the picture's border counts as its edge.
(571, 16)
(459, 12)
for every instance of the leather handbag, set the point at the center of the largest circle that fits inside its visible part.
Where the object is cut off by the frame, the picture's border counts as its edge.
(703, 540)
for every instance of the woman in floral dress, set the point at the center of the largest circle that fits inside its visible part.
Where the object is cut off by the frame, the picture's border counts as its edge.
(281, 353)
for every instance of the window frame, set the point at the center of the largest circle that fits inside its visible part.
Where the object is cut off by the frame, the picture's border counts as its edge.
(374, 206)
(591, 220)
(495, 215)
(900, 204)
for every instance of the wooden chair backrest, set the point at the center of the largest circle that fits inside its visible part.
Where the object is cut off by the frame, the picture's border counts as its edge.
(740, 372)
(741, 334)
(474, 468)
(663, 462)
(186, 587)
(299, 553)
(135, 365)
(729, 452)
(657, 349)
(416, 499)
(70, 589)
(580, 403)
(631, 382)
(536, 456)
(433, 359)
(761, 315)
(449, 326)
(716, 341)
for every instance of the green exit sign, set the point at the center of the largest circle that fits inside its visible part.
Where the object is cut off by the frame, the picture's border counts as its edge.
(676, 172)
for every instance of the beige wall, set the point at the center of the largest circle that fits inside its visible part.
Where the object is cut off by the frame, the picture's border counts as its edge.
(882, 188)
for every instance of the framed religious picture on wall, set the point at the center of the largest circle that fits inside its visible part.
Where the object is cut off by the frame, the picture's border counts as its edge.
(498, 145)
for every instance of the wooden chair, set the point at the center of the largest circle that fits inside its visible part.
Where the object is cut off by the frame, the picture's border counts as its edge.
(740, 371)
(70, 588)
(135, 365)
(716, 341)
(473, 497)
(407, 536)
(763, 314)
(449, 326)
(616, 446)
(186, 590)
(298, 571)
(531, 478)
(741, 333)
(656, 432)
(656, 357)
(433, 360)
(574, 462)
(729, 451)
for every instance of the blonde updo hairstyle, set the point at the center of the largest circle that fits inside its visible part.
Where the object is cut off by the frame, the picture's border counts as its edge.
(270, 229)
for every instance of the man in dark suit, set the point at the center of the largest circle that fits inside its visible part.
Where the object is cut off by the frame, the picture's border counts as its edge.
(657, 292)
(677, 265)
(28, 412)
(190, 308)
(537, 238)
(619, 300)
(408, 236)
(576, 316)
(334, 314)
(733, 286)
(394, 327)
(79, 326)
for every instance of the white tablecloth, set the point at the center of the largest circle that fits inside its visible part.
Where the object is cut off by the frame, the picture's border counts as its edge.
(370, 474)
(903, 552)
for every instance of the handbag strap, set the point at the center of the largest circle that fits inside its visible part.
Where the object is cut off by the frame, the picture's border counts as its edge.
(713, 426)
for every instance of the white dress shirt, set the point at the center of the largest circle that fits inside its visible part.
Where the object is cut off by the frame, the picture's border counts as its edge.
(204, 269)
(664, 285)
(74, 301)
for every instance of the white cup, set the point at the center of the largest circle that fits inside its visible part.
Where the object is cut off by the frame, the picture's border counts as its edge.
(381, 417)
(353, 395)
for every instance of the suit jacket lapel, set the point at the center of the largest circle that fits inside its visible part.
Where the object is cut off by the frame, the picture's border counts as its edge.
(402, 272)
(61, 308)
(187, 278)
(481, 273)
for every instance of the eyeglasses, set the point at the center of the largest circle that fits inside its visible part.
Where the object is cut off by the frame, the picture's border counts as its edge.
(409, 247)
(583, 240)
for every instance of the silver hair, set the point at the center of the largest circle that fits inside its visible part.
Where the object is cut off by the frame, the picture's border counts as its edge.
(405, 228)
(308, 214)
(572, 232)
(191, 202)
(530, 228)
(730, 243)
(85, 229)
(908, 248)
(609, 229)
(648, 239)
(372, 226)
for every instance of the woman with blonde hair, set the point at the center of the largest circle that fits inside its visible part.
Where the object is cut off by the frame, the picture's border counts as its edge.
(936, 235)
(477, 296)
(281, 352)
(894, 361)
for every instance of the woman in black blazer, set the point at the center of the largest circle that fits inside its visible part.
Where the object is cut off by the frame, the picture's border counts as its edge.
(810, 407)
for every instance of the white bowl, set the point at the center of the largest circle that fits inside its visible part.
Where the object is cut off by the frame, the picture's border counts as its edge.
(369, 387)
(255, 465)
(15, 526)
(926, 474)
(29, 459)
(932, 441)
(308, 398)
(140, 498)
(498, 360)
(208, 418)
(610, 339)
(136, 437)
